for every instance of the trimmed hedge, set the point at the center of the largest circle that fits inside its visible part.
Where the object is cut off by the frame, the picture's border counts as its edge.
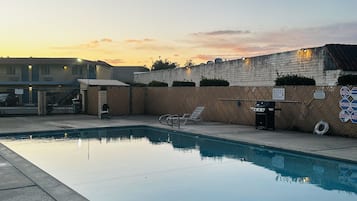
(294, 80)
(213, 82)
(157, 84)
(137, 84)
(183, 84)
(347, 80)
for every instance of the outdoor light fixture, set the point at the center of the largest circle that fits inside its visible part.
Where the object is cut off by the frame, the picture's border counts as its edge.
(65, 67)
(243, 58)
(303, 50)
(30, 88)
(305, 54)
(30, 67)
(79, 60)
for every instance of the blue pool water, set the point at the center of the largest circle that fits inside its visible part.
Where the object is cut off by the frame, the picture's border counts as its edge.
(142, 163)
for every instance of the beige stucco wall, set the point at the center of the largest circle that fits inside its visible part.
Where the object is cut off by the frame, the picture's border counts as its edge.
(301, 114)
(221, 106)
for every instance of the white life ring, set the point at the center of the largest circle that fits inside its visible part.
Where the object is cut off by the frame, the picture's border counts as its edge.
(321, 128)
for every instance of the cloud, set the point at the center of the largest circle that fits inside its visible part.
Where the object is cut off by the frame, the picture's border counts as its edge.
(140, 41)
(96, 43)
(222, 32)
(114, 61)
(246, 43)
(88, 45)
(106, 40)
(204, 57)
(148, 44)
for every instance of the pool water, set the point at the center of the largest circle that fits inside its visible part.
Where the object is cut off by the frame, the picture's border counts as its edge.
(144, 163)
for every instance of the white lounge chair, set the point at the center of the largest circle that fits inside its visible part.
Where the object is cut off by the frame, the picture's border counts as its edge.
(195, 116)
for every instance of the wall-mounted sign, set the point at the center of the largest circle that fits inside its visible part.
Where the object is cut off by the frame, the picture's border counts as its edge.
(278, 94)
(344, 116)
(344, 104)
(19, 91)
(354, 117)
(353, 93)
(345, 91)
(319, 94)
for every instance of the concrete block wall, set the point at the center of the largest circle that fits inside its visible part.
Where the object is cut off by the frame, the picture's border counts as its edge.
(254, 71)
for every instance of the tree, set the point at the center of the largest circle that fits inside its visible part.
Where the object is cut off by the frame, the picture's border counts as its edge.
(189, 63)
(160, 65)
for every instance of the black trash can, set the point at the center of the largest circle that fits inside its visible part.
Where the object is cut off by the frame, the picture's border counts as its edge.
(265, 115)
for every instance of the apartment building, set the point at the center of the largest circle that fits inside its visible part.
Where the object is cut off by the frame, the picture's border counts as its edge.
(24, 77)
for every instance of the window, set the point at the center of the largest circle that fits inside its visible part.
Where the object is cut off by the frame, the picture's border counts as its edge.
(45, 70)
(76, 70)
(10, 70)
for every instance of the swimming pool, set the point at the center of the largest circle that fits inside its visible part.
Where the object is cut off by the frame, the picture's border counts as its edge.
(145, 163)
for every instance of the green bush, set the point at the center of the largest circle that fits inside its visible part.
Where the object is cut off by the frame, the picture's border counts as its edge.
(183, 84)
(213, 82)
(137, 84)
(294, 80)
(157, 84)
(347, 80)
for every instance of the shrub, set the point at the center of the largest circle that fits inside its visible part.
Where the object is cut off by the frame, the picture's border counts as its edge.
(137, 84)
(347, 80)
(213, 82)
(157, 84)
(183, 84)
(294, 80)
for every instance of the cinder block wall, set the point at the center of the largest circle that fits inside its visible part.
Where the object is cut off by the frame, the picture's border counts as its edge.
(254, 71)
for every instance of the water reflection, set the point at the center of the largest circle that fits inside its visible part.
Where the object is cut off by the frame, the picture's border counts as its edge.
(289, 167)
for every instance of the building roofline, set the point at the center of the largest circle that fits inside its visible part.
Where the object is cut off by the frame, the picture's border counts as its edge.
(49, 60)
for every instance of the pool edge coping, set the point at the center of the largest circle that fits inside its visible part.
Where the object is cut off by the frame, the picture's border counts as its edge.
(50, 185)
(69, 192)
(194, 133)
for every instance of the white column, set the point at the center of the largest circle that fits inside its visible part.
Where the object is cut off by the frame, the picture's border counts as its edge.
(102, 99)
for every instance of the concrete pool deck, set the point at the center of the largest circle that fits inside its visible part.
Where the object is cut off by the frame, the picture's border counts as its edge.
(25, 181)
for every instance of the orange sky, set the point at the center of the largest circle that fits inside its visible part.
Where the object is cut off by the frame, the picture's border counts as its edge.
(138, 32)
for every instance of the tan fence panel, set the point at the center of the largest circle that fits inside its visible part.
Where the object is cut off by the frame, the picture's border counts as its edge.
(118, 100)
(222, 105)
(138, 100)
(92, 100)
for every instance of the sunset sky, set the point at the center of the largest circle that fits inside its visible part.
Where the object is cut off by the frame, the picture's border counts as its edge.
(138, 32)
